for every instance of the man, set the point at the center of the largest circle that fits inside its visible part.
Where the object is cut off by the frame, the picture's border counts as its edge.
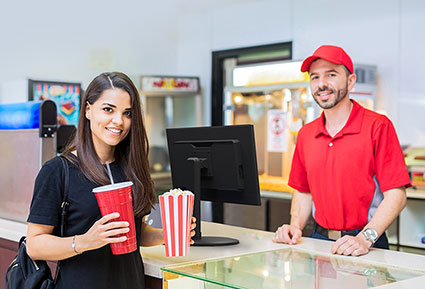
(348, 167)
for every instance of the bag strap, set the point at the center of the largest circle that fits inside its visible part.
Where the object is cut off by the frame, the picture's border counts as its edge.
(65, 203)
(64, 208)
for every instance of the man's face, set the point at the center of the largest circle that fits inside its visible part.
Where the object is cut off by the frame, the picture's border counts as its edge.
(330, 83)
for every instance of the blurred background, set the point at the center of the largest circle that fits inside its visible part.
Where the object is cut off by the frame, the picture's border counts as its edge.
(191, 61)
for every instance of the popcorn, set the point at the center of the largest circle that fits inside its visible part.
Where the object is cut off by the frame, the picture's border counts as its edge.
(176, 214)
(177, 191)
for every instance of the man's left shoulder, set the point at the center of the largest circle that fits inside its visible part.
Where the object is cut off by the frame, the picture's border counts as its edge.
(375, 117)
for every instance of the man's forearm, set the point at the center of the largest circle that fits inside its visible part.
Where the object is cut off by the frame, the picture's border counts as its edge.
(394, 201)
(300, 209)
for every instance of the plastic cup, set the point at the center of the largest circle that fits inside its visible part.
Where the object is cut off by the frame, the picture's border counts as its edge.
(118, 198)
(176, 215)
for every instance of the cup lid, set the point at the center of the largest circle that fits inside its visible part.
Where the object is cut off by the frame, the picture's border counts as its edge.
(110, 187)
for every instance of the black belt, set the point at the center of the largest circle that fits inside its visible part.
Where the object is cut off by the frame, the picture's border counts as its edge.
(334, 234)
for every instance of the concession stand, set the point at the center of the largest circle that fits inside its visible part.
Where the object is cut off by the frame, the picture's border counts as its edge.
(256, 261)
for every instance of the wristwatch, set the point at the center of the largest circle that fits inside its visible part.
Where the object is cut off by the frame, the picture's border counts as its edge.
(370, 235)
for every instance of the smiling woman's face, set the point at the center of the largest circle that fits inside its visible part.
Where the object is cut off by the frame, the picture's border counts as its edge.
(110, 118)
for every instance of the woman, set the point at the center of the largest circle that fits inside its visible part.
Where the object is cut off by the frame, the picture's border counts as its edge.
(110, 129)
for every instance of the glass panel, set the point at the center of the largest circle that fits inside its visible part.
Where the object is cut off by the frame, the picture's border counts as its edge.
(291, 268)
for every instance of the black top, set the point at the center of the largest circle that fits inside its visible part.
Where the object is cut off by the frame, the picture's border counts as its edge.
(92, 269)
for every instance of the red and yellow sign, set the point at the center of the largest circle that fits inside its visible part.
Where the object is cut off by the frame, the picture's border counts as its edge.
(174, 84)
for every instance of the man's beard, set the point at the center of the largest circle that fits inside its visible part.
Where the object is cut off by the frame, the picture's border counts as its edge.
(339, 95)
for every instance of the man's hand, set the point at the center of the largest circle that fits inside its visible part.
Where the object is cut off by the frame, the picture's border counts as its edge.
(350, 245)
(287, 234)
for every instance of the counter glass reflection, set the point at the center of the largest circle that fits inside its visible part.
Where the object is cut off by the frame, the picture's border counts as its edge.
(287, 268)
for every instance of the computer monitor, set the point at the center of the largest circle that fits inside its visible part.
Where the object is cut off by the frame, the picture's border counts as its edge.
(217, 164)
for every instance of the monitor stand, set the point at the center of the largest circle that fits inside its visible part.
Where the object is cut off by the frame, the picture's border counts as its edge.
(198, 165)
(214, 241)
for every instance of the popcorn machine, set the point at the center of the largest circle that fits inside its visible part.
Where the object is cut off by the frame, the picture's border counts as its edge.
(169, 102)
(276, 98)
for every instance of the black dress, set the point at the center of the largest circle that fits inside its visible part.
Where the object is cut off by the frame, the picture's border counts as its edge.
(92, 269)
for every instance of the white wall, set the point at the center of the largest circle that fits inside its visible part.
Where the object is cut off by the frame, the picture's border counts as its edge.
(236, 24)
(411, 94)
(386, 33)
(76, 40)
(368, 30)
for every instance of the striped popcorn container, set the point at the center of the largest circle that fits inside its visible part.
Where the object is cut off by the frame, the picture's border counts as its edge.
(176, 214)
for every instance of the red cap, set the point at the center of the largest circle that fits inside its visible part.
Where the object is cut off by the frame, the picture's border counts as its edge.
(330, 53)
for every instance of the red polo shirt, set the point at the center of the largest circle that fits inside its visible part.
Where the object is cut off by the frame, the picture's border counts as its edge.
(346, 174)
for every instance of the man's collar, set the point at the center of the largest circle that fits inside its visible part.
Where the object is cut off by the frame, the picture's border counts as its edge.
(353, 125)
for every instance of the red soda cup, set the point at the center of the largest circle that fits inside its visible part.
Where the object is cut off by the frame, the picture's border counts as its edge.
(118, 198)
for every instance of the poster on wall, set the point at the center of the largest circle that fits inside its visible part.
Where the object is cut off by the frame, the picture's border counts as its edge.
(276, 130)
(66, 96)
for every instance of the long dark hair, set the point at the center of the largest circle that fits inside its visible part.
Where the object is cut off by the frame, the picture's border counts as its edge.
(131, 153)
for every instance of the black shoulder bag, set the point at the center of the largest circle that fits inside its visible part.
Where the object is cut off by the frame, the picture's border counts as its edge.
(25, 273)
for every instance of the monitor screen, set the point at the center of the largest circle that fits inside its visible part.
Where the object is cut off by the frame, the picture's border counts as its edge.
(226, 169)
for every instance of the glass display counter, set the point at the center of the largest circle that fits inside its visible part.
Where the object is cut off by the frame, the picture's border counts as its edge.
(286, 268)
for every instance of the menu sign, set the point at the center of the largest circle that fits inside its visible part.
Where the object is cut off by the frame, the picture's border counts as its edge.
(170, 84)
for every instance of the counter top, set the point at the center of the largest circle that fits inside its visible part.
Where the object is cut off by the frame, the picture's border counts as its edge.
(12, 230)
(254, 241)
(251, 241)
(285, 268)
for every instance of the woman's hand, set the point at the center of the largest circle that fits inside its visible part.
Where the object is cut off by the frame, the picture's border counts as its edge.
(104, 231)
(192, 230)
